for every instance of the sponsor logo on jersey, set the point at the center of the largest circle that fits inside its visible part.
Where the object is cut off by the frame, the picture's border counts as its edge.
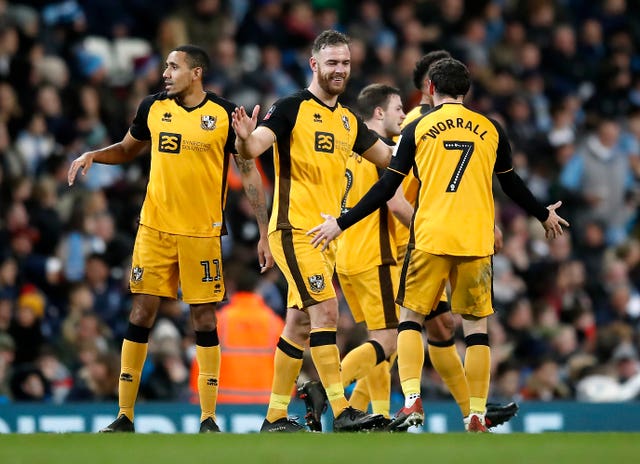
(169, 142)
(269, 113)
(317, 117)
(208, 122)
(345, 122)
(166, 117)
(316, 282)
(324, 142)
(126, 377)
(136, 273)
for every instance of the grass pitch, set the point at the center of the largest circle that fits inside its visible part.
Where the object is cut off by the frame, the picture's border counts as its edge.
(309, 448)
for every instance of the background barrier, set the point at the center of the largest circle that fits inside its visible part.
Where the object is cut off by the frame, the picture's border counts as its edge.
(441, 417)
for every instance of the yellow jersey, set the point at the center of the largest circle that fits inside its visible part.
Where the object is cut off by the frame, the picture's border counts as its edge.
(313, 143)
(190, 149)
(370, 242)
(410, 183)
(453, 152)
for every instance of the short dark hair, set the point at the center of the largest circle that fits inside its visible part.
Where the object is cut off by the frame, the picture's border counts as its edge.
(424, 63)
(197, 57)
(329, 38)
(450, 77)
(373, 96)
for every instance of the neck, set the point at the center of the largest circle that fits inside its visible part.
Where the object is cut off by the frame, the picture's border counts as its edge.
(324, 97)
(191, 99)
(377, 126)
(439, 100)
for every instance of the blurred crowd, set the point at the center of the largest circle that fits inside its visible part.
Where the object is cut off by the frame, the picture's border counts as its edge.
(562, 77)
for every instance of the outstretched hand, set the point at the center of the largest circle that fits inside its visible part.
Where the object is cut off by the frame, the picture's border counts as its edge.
(85, 161)
(325, 232)
(553, 224)
(242, 124)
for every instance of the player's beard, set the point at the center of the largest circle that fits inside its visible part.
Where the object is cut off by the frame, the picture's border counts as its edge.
(326, 83)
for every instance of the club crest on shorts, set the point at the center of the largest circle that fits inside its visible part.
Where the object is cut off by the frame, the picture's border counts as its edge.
(208, 122)
(316, 282)
(136, 274)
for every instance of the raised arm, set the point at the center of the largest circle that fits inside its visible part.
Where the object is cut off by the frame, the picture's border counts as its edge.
(118, 153)
(253, 188)
(251, 142)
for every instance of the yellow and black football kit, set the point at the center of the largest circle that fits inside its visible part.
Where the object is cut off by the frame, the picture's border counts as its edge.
(366, 253)
(409, 187)
(182, 216)
(313, 144)
(453, 151)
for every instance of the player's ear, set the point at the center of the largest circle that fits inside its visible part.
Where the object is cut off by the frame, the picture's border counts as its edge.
(313, 63)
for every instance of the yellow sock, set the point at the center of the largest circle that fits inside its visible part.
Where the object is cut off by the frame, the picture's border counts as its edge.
(447, 363)
(209, 364)
(477, 365)
(326, 358)
(360, 396)
(286, 367)
(358, 363)
(379, 381)
(132, 360)
(410, 360)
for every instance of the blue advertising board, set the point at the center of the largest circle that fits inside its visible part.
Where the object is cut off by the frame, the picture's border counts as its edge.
(441, 417)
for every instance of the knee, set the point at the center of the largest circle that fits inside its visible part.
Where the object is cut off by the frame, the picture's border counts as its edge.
(142, 316)
(441, 328)
(204, 317)
(297, 332)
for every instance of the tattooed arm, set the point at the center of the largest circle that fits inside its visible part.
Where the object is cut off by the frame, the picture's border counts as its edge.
(252, 183)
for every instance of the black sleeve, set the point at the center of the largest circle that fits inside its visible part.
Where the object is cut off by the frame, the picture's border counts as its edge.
(280, 117)
(504, 162)
(511, 182)
(139, 127)
(378, 195)
(365, 139)
(516, 189)
(404, 154)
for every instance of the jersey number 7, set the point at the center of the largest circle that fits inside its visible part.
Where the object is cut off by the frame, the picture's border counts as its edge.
(467, 150)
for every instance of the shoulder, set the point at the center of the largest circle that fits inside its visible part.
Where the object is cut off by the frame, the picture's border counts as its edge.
(220, 101)
(287, 106)
(156, 97)
(151, 99)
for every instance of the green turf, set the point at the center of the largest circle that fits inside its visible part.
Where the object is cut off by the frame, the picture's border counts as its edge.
(578, 448)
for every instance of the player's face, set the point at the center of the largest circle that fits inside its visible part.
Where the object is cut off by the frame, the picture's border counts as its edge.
(178, 76)
(393, 116)
(333, 68)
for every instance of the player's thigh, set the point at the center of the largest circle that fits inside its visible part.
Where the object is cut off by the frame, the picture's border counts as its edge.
(308, 270)
(154, 265)
(422, 281)
(201, 276)
(471, 282)
(371, 297)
